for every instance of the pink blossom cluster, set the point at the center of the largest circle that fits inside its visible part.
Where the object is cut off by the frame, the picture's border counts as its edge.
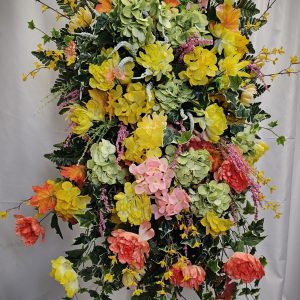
(170, 204)
(152, 176)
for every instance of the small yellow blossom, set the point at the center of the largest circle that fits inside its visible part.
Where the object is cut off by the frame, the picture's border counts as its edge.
(294, 60)
(162, 292)
(184, 236)
(163, 264)
(83, 18)
(131, 277)
(24, 77)
(137, 292)
(44, 8)
(108, 277)
(168, 275)
(40, 47)
(196, 245)
(3, 214)
(113, 259)
(273, 188)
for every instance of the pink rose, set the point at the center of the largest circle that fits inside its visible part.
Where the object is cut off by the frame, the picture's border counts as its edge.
(132, 248)
(244, 266)
(170, 204)
(188, 275)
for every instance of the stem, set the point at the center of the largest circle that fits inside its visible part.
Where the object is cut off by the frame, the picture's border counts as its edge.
(269, 6)
(45, 217)
(18, 206)
(53, 9)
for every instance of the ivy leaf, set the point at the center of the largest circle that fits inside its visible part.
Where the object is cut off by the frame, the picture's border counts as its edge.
(250, 239)
(31, 25)
(55, 33)
(46, 38)
(55, 225)
(249, 209)
(185, 137)
(86, 220)
(238, 246)
(213, 265)
(235, 82)
(273, 124)
(263, 261)
(169, 136)
(281, 140)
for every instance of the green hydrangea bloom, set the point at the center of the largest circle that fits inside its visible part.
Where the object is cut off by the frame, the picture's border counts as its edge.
(192, 167)
(210, 196)
(185, 25)
(103, 166)
(172, 95)
(245, 141)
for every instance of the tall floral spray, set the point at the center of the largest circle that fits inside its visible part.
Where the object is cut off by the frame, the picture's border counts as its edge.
(158, 169)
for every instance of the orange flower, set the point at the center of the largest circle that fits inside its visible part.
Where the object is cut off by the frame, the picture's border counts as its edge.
(187, 275)
(44, 198)
(74, 173)
(244, 266)
(229, 16)
(104, 6)
(28, 229)
(173, 3)
(130, 247)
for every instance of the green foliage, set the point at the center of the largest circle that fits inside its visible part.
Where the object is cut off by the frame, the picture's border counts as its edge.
(248, 8)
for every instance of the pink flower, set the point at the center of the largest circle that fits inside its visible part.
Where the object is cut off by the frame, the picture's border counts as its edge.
(28, 229)
(187, 275)
(153, 175)
(244, 266)
(170, 204)
(130, 247)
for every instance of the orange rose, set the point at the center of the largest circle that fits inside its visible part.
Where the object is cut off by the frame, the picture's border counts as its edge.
(187, 275)
(244, 266)
(28, 229)
(130, 247)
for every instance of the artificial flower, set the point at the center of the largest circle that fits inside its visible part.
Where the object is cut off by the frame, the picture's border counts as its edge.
(228, 15)
(201, 65)
(132, 207)
(172, 3)
(215, 225)
(235, 178)
(247, 95)
(245, 267)
(105, 76)
(133, 104)
(81, 119)
(132, 248)
(76, 173)
(69, 201)
(3, 214)
(104, 6)
(29, 229)
(63, 272)
(215, 122)
(70, 53)
(156, 59)
(83, 18)
(131, 277)
(152, 175)
(44, 198)
(187, 275)
(231, 66)
(170, 204)
(260, 148)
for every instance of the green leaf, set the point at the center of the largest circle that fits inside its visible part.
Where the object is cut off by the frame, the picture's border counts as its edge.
(46, 38)
(86, 220)
(213, 265)
(250, 239)
(55, 33)
(281, 140)
(238, 246)
(31, 25)
(248, 8)
(273, 124)
(235, 82)
(185, 137)
(263, 261)
(169, 136)
(55, 225)
(257, 226)
(249, 209)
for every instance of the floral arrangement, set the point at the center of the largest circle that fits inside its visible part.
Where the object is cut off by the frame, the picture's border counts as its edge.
(158, 169)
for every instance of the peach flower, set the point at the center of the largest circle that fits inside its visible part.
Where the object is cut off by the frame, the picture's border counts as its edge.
(244, 266)
(187, 275)
(130, 247)
(28, 229)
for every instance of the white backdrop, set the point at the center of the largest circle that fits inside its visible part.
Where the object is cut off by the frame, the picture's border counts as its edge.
(29, 129)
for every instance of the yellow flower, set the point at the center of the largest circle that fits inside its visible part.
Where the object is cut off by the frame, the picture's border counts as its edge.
(156, 59)
(247, 95)
(147, 139)
(163, 264)
(113, 259)
(134, 103)
(167, 275)
(105, 75)
(3, 214)
(229, 41)
(131, 277)
(132, 207)
(137, 292)
(201, 65)
(108, 277)
(83, 18)
(71, 3)
(69, 201)
(63, 272)
(215, 225)
(215, 122)
(260, 149)
(231, 66)
(81, 119)
(294, 60)
(228, 15)
(44, 8)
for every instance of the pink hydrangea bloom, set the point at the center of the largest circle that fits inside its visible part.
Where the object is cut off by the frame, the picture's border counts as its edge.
(170, 204)
(153, 175)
